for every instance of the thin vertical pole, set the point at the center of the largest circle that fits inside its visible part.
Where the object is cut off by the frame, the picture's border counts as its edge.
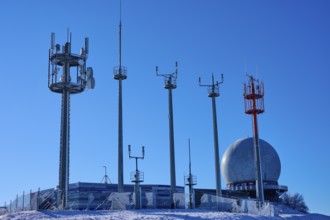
(120, 44)
(172, 153)
(170, 83)
(23, 199)
(216, 148)
(213, 93)
(38, 194)
(120, 139)
(137, 193)
(120, 76)
(190, 206)
(30, 200)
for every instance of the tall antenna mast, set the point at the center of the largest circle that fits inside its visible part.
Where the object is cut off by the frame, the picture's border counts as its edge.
(213, 92)
(120, 73)
(190, 181)
(254, 105)
(120, 36)
(136, 176)
(62, 62)
(170, 83)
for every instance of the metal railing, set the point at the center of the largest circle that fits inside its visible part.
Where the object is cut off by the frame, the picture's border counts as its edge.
(137, 176)
(48, 199)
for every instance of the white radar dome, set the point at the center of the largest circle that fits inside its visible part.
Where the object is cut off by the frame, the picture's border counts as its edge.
(238, 164)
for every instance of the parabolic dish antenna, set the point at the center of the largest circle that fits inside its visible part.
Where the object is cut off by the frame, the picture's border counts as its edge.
(90, 83)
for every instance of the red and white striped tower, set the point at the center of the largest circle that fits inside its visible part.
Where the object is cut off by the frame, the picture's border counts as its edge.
(254, 105)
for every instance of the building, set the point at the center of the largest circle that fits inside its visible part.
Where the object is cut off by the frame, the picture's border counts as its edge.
(238, 170)
(103, 196)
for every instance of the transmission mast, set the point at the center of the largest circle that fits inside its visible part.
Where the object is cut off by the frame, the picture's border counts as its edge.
(254, 104)
(60, 63)
(213, 92)
(136, 176)
(190, 181)
(120, 74)
(169, 84)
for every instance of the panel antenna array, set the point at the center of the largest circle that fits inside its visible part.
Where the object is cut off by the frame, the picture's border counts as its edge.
(60, 63)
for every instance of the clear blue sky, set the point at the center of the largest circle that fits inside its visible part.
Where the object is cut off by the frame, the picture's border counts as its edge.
(288, 41)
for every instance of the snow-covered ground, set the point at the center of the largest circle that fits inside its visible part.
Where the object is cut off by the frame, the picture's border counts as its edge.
(154, 214)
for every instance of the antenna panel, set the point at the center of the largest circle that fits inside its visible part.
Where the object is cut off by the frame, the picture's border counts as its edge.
(89, 72)
(90, 83)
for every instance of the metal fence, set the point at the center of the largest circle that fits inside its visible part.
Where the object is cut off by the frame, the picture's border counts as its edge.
(78, 200)
(32, 201)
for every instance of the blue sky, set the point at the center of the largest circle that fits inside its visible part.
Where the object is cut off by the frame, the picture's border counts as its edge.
(285, 42)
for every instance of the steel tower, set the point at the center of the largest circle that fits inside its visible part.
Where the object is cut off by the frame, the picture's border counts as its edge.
(213, 92)
(170, 83)
(120, 74)
(105, 177)
(254, 104)
(60, 63)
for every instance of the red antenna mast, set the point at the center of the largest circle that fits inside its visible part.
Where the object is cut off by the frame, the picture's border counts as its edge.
(254, 105)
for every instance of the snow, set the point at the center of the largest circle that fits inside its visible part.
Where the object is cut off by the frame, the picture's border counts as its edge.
(153, 214)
